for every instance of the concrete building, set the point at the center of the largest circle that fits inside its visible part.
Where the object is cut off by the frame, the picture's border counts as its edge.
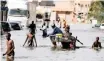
(81, 8)
(64, 9)
(69, 10)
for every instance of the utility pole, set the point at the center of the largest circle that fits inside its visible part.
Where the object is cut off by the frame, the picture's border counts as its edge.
(32, 4)
(3, 13)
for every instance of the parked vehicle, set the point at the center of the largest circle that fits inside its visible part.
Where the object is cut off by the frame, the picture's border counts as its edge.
(16, 26)
(96, 25)
(102, 26)
(94, 22)
(17, 13)
(5, 26)
(9, 26)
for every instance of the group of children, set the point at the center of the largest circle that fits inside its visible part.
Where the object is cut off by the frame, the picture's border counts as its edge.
(67, 40)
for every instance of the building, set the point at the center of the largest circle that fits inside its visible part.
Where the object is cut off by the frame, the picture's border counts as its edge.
(81, 8)
(68, 10)
(64, 9)
(71, 10)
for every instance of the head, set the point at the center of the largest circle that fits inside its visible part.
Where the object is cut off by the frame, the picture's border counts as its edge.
(32, 22)
(70, 34)
(8, 36)
(53, 26)
(97, 39)
(66, 30)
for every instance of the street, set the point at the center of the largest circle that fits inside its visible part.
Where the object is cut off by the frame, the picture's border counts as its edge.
(44, 51)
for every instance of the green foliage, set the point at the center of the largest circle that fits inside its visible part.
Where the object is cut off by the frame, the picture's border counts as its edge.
(97, 10)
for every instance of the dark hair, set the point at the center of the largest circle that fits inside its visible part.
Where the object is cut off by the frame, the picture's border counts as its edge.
(32, 22)
(9, 34)
(53, 26)
(97, 37)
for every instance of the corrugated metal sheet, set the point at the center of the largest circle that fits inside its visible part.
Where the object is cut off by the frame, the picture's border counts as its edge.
(46, 3)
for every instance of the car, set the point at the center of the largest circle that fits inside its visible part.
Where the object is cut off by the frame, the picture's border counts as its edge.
(96, 25)
(102, 26)
(19, 12)
(16, 25)
(5, 26)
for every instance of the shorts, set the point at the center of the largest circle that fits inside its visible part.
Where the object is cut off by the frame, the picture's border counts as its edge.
(11, 54)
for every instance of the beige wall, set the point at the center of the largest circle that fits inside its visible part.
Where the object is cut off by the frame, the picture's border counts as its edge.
(63, 6)
(82, 6)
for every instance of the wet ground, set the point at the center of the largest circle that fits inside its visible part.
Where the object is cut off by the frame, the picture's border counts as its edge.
(45, 52)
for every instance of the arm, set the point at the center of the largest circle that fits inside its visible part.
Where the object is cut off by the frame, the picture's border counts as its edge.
(7, 48)
(100, 45)
(93, 45)
(13, 44)
(52, 33)
(13, 47)
(35, 27)
(28, 26)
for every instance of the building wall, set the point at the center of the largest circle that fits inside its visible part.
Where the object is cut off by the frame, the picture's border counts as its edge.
(82, 6)
(64, 9)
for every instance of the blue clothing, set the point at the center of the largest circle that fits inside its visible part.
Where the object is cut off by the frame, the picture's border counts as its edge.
(57, 31)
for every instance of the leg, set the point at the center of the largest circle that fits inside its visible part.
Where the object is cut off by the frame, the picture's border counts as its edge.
(25, 41)
(31, 42)
(35, 40)
(53, 41)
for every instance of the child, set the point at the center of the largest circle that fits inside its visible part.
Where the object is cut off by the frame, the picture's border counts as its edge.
(44, 29)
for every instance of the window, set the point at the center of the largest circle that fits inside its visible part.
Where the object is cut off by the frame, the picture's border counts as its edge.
(81, 5)
(86, 5)
(75, 3)
(18, 12)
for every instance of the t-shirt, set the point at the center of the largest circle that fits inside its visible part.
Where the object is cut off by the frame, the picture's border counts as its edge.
(57, 31)
(32, 28)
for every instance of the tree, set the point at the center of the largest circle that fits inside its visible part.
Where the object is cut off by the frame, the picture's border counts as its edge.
(97, 10)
